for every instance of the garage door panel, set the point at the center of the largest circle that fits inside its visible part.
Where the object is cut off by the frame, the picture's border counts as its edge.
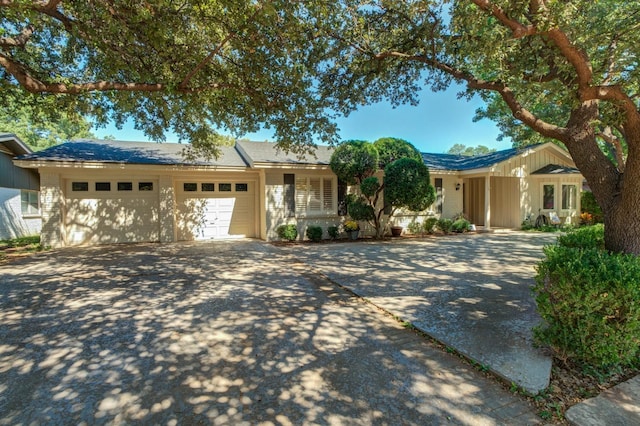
(111, 217)
(203, 216)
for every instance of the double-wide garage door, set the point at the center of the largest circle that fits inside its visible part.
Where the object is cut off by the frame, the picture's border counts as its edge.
(215, 209)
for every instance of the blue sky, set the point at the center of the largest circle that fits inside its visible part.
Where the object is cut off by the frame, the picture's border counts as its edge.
(438, 122)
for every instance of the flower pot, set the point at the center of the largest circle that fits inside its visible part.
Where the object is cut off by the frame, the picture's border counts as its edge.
(354, 235)
(396, 231)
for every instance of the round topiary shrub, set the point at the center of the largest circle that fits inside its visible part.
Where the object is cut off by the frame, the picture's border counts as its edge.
(429, 224)
(590, 302)
(314, 233)
(287, 232)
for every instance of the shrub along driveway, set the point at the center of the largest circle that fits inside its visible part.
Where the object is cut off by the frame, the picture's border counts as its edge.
(471, 292)
(217, 333)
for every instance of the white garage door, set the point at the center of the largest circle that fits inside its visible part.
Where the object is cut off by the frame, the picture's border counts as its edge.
(208, 210)
(111, 211)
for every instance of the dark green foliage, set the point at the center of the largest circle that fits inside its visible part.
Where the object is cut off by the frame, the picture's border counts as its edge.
(359, 209)
(589, 205)
(590, 301)
(314, 233)
(586, 237)
(392, 149)
(407, 184)
(429, 224)
(287, 232)
(20, 242)
(460, 225)
(444, 225)
(353, 161)
(370, 186)
(333, 232)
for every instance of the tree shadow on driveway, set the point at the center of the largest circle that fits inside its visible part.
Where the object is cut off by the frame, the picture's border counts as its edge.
(215, 333)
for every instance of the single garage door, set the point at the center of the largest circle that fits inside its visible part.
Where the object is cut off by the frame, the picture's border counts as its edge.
(210, 209)
(111, 211)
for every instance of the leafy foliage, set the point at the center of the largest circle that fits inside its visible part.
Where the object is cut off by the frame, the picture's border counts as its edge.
(460, 225)
(588, 298)
(586, 237)
(444, 225)
(406, 178)
(314, 233)
(589, 205)
(469, 151)
(287, 232)
(192, 67)
(333, 232)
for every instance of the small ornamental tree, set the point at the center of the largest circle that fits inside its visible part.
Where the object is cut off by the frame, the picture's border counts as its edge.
(406, 182)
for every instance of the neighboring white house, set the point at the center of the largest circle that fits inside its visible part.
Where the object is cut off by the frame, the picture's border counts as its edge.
(19, 192)
(100, 192)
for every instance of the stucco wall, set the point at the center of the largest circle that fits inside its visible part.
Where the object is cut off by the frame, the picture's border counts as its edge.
(12, 223)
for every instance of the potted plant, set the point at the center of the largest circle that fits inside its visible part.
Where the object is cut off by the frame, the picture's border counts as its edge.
(396, 231)
(352, 228)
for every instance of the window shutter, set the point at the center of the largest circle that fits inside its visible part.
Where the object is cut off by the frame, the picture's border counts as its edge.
(315, 194)
(301, 196)
(289, 194)
(327, 195)
(439, 197)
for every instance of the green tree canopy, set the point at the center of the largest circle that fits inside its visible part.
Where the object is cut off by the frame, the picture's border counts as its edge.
(192, 67)
(407, 185)
(469, 151)
(38, 123)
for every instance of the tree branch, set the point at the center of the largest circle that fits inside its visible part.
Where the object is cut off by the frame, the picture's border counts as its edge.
(20, 40)
(519, 30)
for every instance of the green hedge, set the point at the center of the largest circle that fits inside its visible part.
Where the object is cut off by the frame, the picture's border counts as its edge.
(590, 302)
(314, 233)
(287, 232)
(586, 237)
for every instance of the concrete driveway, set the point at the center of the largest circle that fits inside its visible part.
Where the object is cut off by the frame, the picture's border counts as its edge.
(471, 292)
(217, 333)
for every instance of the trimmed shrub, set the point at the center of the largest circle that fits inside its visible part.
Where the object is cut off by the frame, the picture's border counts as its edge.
(287, 232)
(415, 228)
(460, 225)
(590, 302)
(586, 237)
(429, 224)
(444, 225)
(333, 232)
(314, 233)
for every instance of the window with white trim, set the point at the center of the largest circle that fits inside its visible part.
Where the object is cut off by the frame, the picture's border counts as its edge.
(30, 203)
(569, 197)
(314, 196)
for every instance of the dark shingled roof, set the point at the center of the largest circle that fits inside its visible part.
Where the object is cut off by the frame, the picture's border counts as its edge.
(108, 151)
(554, 169)
(462, 162)
(267, 152)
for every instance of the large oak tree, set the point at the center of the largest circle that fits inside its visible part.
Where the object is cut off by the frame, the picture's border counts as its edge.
(194, 67)
(567, 70)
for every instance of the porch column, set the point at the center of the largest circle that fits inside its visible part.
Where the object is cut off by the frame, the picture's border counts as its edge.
(487, 202)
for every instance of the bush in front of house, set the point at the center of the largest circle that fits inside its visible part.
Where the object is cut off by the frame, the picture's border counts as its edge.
(589, 208)
(460, 225)
(585, 237)
(429, 224)
(444, 225)
(590, 302)
(333, 232)
(287, 232)
(314, 233)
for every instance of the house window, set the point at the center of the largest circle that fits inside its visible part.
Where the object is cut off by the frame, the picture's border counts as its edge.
(79, 186)
(314, 195)
(569, 196)
(224, 187)
(439, 195)
(208, 187)
(125, 186)
(145, 186)
(242, 187)
(289, 194)
(30, 203)
(190, 187)
(103, 186)
(548, 196)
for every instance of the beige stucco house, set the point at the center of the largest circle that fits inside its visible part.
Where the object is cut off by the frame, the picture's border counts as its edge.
(100, 192)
